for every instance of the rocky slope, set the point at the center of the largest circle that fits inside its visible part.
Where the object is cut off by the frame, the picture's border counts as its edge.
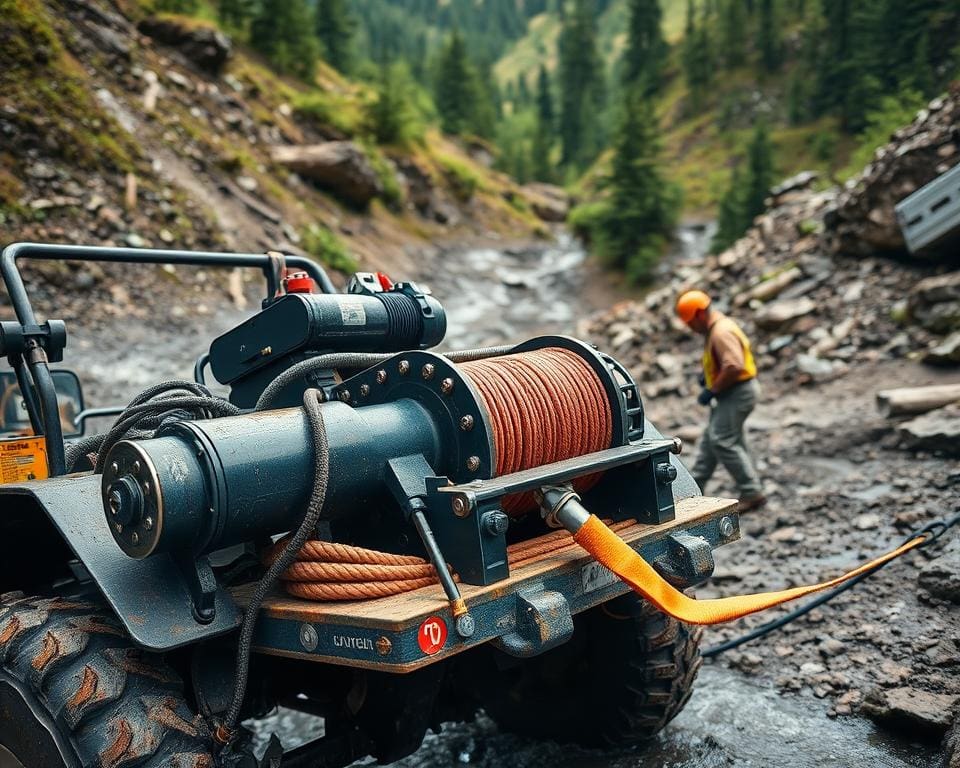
(123, 128)
(831, 326)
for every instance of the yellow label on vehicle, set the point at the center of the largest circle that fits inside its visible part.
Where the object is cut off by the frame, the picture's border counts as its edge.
(23, 458)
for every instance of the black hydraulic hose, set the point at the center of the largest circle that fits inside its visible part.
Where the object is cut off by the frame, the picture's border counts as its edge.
(151, 408)
(353, 360)
(932, 531)
(318, 433)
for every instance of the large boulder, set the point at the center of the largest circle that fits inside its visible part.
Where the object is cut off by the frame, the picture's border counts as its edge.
(934, 302)
(338, 166)
(205, 46)
(937, 431)
(863, 221)
(549, 202)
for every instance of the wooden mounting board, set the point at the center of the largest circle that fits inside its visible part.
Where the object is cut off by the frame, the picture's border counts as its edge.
(400, 612)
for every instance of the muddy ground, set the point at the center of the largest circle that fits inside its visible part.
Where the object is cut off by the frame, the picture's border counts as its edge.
(840, 490)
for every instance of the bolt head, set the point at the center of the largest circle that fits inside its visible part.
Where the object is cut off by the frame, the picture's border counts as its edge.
(428, 371)
(460, 507)
(446, 386)
(495, 523)
(114, 468)
(148, 523)
(134, 538)
(404, 367)
(466, 423)
(473, 463)
(364, 390)
(466, 626)
(308, 637)
(344, 396)
(381, 376)
(726, 527)
(136, 467)
(666, 472)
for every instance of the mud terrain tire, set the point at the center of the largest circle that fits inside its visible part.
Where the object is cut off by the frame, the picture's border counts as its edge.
(627, 671)
(74, 692)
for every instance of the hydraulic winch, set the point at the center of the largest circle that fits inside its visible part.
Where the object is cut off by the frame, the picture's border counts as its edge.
(414, 434)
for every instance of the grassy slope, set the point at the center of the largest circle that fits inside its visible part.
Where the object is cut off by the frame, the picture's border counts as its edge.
(698, 153)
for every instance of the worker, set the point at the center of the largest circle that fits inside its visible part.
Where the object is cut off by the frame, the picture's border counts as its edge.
(730, 388)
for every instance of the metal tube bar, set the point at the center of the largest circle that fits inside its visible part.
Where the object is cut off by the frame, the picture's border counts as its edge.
(436, 556)
(29, 395)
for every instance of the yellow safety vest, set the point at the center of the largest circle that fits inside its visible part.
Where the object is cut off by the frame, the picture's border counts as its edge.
(710, 366)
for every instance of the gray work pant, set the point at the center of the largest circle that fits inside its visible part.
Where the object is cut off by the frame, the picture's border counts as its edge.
(723, 440)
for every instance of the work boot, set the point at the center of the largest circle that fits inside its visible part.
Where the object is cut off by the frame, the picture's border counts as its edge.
(748, 503)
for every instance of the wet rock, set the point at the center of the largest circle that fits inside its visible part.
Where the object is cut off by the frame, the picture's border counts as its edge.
(781, 313)
(937, 431)
(549, 202)
(339, 166)
(910, 709)
(941, 576)
(947, 352)
(934, 302)
(207, 47)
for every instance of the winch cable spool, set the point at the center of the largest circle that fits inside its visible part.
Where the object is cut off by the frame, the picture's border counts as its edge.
(544, 406)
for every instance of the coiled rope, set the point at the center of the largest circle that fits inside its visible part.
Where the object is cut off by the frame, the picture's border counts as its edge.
(544, 406)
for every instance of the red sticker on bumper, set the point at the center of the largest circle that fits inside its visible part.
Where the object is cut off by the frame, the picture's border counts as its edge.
(432, 635)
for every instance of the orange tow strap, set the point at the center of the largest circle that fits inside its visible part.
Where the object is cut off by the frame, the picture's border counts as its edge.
(613, 552)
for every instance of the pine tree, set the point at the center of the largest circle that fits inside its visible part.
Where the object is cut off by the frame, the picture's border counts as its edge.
(467, 102)
(454, 86)
(642, 206)
(541, 168)
(393, 119)
(768, 37)
(283, 31)
(697, 57)
(544, 99)
(760, 173)
(733, 24)
(581, 85)
(335, 30)
(646, 48)
(235, 13)
(731, 221)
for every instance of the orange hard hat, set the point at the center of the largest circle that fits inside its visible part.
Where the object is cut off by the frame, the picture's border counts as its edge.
(690, 303)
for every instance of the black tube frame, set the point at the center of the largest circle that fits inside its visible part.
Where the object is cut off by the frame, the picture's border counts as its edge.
(44, 408)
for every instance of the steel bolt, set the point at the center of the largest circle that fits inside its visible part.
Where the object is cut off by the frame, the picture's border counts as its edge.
(473, 463)
(384, 646)
(344, 396)
(446, 386)
(466, 626)
(364, 390)
(726, 527)
(460, 506)
(136, 467)
(466, 423)
(666, 473)
(427, 371)
(114, 501)
(134, 538)
(381, 376)
(677, 445)
(495, 523)
(114, 468)
(148, 523)
(146, 487)
(404, 367)
(308, 637)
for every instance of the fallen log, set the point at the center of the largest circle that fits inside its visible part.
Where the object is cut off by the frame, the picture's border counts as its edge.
(912, 400)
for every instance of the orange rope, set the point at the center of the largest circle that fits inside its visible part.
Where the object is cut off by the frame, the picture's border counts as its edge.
(544, 406)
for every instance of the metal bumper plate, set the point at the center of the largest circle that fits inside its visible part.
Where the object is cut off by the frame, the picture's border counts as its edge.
(406, 632)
